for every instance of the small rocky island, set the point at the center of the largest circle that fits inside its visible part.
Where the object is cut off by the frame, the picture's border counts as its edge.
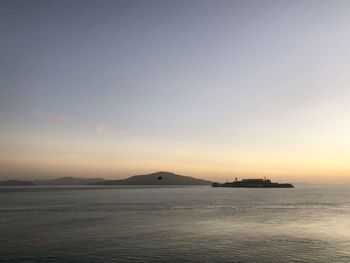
(253, 183)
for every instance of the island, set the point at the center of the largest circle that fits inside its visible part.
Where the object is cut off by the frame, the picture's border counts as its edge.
(158, 178)
(253, 183)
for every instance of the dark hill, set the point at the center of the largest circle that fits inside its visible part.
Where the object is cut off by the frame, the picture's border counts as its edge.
(159, 178)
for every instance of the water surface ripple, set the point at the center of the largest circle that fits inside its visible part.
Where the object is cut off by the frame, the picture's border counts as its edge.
(175, 224)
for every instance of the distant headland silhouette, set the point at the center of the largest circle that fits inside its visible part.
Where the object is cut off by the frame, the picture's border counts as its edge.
(158, 178)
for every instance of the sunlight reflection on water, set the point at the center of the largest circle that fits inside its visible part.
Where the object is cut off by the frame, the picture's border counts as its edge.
(198, 224)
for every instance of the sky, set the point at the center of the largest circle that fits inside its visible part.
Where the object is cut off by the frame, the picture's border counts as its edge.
(210, 89)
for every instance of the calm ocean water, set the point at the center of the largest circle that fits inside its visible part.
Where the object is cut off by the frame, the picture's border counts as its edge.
(188, 224)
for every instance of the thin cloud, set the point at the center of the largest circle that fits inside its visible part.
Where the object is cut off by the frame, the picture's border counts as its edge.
(121, 131)
(100, 128)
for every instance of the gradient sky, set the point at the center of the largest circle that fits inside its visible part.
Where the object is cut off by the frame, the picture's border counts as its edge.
(212, 89)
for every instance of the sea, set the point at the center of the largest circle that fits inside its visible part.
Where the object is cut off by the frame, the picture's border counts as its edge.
(175, 224)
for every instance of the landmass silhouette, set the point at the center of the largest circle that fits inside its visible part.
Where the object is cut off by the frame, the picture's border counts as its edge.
(158, 178)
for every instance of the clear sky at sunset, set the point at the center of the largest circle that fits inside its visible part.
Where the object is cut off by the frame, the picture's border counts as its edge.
(211, 89)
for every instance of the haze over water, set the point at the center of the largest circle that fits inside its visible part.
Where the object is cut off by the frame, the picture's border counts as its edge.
(188, 224)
